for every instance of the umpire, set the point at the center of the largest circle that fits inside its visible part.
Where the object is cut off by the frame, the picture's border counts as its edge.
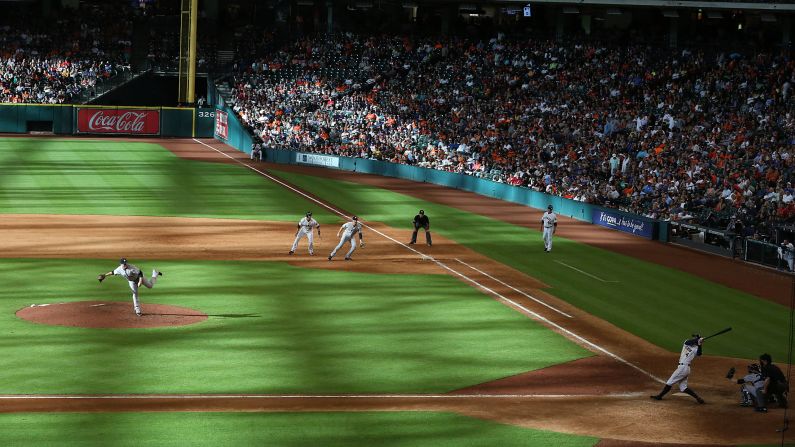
(775, 383)
(421, 221)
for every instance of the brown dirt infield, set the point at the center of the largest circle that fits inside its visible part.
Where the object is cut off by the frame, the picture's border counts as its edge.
(109, 315)
(600, 396)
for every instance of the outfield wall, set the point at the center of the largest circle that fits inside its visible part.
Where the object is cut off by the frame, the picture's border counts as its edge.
(63, 119)
(231, 131)
(606, 217)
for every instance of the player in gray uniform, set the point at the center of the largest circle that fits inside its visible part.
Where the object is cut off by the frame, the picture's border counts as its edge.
(751, 386)
(690, 350)
(135, 278)
(305, 226)
(349, 231)
(549, 223)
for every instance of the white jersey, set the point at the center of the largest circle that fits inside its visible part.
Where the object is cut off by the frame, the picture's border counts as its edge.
(549, 219)
(351, 228)
(131, 273)
(689, 352)
(307, 224)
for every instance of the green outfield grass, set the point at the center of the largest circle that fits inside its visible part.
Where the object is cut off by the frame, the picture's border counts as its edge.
(273, 328)
(660, 304)
(52, 176)
(417, 429)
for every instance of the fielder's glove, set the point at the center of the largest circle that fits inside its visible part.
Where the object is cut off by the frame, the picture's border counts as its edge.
(101, 277)
(730, 374)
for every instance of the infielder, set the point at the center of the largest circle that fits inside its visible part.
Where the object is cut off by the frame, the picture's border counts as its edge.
(549, 223)
(305, 226)
(348, 230)
(690, 350)
(134, 277)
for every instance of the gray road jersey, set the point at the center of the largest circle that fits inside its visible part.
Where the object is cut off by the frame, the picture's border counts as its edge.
(131, 273)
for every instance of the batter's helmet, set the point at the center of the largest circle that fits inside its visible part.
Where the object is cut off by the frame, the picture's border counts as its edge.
(355, 218)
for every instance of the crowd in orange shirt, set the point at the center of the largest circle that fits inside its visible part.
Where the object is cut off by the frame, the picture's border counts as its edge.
(54, 59)
(695, 136)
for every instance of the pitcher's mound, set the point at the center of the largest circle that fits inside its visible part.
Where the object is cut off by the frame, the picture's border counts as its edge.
(109, 314)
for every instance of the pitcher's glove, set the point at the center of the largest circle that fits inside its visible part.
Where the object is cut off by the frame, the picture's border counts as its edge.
(730, 374)
(101, 277)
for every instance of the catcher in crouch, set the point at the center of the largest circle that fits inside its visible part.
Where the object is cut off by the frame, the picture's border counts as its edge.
(134, 277)
(690, 350)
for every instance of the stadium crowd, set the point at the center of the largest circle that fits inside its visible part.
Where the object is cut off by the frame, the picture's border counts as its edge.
(666, 133)
(55, 60)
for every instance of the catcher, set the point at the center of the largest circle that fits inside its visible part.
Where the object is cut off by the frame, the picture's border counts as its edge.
(134, 277)
(750, 386)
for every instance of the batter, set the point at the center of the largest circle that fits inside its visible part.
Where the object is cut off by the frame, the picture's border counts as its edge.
(690, 350)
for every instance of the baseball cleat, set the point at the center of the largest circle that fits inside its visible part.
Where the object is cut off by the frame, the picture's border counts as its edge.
(329, 258)
(700, 400)
(656, 397)
(347, 259)
(291, 252)
(761, 409)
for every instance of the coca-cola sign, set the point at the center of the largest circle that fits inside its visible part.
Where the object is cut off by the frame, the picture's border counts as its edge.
(118, 121)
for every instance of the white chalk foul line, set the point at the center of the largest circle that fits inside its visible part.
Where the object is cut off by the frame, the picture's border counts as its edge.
(525, 310)
(543, 303)
(318, 396)
(584, 272)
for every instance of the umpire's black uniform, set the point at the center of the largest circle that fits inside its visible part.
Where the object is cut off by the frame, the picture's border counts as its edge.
(421, 221)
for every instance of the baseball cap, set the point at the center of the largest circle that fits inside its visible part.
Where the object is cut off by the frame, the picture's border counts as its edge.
(549, 207)
(355, 218)
(308, 213)
(122, 261)
(422, 211)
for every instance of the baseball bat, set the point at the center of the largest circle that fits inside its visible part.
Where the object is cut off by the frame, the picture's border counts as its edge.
(718, 333)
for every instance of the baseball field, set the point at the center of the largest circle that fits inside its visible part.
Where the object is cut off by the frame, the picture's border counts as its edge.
(483, 339)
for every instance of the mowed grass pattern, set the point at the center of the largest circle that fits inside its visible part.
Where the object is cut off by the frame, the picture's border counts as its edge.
(273, 328)
(660, 304)
(384, 429)
(106, 177)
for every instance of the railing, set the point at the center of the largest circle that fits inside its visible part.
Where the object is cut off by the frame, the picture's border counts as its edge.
(731, 245)
(107, 85)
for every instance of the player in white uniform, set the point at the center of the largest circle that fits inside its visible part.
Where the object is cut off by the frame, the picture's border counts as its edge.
(690, 350)
(349, 231)
(549, 223)
(135, 278)
(305, 226)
